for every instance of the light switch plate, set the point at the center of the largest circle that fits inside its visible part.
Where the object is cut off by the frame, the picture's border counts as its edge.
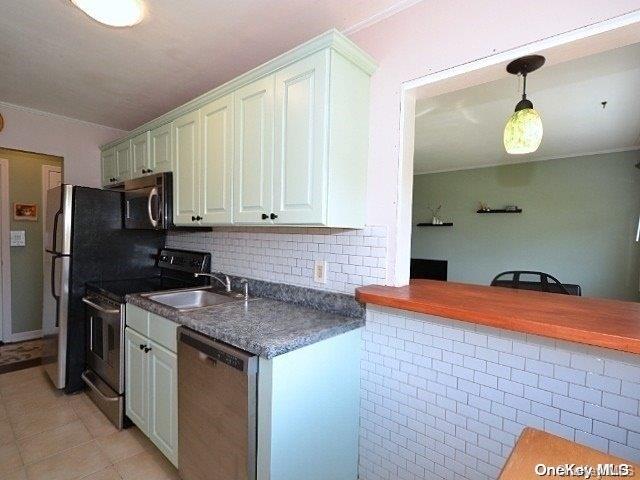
(18, 238)
(320, 271)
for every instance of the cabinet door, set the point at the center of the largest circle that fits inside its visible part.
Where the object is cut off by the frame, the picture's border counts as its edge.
(163, 401)
(253, 151)
(123, 161)
(136, 379)
(186, 154)
(161, 149)
(299, 172)
(216, 173)
(140, 155)
(109, 170)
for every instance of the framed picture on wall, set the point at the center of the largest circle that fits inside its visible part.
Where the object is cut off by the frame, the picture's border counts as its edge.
(25, 211)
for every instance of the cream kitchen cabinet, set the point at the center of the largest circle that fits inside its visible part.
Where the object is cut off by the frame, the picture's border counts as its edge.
(140, 155)
(151, 378)
(253, 163)
(317, 109)
(203, 171)
(283, 144)
(161, 153)
(109, 169)
(123, 161)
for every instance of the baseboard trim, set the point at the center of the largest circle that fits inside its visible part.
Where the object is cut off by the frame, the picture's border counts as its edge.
(22, 336)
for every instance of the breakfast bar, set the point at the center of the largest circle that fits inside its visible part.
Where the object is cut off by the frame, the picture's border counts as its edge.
(464, 369)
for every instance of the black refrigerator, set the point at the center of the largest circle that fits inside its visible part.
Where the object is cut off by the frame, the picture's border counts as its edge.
(85, 241)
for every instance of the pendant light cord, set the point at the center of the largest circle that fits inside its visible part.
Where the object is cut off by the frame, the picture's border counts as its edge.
(524, 86)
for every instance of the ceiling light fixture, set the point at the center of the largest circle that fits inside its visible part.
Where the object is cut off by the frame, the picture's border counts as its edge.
(523, 132)
(115, 13)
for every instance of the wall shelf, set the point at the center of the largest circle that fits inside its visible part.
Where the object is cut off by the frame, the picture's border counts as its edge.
(517, 210)
(446, 224)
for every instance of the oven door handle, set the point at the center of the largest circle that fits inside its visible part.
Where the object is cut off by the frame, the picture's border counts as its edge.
(97, 390)
(98, 307)
(152, 193)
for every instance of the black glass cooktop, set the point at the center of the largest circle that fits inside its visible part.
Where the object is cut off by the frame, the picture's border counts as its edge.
(118, 289)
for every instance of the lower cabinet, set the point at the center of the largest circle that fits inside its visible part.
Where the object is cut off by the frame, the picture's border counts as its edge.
(151, 372)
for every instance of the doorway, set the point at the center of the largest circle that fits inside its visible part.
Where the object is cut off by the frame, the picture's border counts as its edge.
(25, 177)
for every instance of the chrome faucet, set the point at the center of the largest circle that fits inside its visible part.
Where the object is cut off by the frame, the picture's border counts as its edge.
(226, 282)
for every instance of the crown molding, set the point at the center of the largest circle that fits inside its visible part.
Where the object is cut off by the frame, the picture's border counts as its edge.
(331, 39)
(43, 113)
(380, 16)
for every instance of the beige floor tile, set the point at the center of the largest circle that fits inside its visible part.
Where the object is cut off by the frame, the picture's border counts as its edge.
(123, 444)
(20, 474)
(24, 386)
(40, 399)
(41, 421)
(50, 442)
(6, 432)
(3, 410)
(22, 375)
(98, 425)
(10, 459)
(71, 464)
(109, 473)
(147, 466)
(82, 404)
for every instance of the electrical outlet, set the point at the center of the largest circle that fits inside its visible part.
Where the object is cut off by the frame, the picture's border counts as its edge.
(320, 271)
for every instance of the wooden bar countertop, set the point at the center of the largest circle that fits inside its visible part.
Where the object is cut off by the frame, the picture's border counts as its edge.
(536, 449)
(593, 321)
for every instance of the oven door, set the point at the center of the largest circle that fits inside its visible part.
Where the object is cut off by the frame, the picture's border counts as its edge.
(105, 328)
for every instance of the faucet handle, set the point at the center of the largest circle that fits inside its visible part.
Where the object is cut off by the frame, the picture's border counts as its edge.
(245, 284)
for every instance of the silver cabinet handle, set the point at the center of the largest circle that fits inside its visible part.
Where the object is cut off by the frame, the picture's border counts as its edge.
(98, 307)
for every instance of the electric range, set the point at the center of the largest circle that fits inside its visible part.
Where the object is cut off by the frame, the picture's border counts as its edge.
(105, 317)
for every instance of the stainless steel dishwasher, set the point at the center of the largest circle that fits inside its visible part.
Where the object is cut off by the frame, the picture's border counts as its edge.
(217, 422)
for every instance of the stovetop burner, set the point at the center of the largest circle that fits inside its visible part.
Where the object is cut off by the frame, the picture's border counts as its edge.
(116, 290)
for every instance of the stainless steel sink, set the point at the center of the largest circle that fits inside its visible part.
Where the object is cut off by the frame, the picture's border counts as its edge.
(193, 299)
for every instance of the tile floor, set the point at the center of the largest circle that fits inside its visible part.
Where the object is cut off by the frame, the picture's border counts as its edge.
(45, 435)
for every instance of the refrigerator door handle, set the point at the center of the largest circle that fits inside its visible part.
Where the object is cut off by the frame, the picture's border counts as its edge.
(54, 240)
(153, 193)
(53, 286)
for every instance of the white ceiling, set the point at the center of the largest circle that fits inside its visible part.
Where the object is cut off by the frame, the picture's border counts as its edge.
(56, 59)
(463, 129)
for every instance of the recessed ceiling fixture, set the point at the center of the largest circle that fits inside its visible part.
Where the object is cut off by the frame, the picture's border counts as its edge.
(115, 13)
(523, 132)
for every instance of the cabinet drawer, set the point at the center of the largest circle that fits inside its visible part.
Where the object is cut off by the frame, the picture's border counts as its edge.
(163, 332)
(138, 319)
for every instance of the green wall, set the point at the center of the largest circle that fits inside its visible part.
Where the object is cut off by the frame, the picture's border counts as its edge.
(578, 223)
(25, 185)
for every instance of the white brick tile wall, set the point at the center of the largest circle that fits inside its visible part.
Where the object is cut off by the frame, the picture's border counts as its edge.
(287, 255)
(448, 399)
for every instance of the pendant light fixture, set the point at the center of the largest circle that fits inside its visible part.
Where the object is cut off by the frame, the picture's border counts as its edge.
(523, 132)
(115, 13)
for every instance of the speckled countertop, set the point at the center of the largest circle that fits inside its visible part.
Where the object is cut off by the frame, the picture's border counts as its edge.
(261, 326)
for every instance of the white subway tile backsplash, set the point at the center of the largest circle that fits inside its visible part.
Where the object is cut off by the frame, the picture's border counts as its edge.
(462, 394)
(287, 255)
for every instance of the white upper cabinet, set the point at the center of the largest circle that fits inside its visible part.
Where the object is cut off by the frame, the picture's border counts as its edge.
(160, 156)
(300, 158)
(109, 170)
(252, 202)
(216, 165)
(185, 135)
(123, 161)
(284, 144)
(140, 155)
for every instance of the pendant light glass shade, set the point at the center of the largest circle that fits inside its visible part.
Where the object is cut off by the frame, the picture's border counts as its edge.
(115, 13)
(523, 132)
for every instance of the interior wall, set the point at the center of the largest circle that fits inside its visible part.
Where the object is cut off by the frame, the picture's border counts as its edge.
(578, 222)
(76, 141)
(25, 186)
(432, 36)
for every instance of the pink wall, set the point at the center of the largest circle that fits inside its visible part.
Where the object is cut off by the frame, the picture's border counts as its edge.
(78, 142)
(437, 34)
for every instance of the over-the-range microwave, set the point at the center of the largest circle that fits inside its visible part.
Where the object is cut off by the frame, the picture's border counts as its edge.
(148, 202)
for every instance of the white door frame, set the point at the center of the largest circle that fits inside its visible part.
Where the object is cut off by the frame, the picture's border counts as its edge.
(595, 32)
(5, 257)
